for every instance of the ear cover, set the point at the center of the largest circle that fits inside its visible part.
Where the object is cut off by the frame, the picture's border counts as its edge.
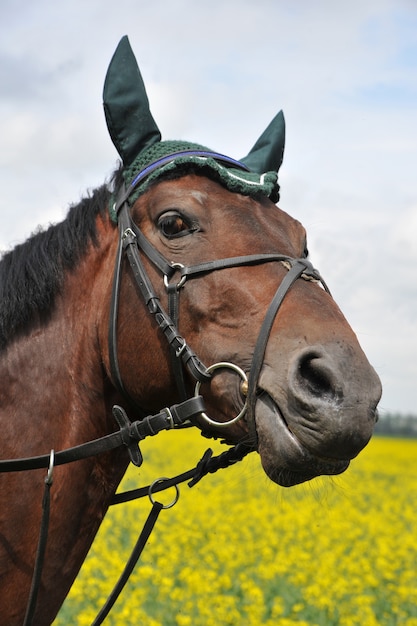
(268, 152)
(146, 158)
(126, 106)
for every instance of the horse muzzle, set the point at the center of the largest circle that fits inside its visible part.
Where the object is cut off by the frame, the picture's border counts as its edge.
(318, 417)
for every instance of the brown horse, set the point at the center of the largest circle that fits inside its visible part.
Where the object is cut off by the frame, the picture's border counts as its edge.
(312, 406)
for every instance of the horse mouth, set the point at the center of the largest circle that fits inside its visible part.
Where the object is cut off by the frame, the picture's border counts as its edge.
(284, 458)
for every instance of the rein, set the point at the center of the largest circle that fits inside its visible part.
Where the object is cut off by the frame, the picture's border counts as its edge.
(129, 435)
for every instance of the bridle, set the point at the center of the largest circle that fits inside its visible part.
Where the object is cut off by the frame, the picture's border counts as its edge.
(133, 243)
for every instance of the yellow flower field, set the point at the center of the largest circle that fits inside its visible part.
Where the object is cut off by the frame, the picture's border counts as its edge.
(238, 550)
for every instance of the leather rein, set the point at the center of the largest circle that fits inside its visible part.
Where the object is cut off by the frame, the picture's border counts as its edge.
(132, 242)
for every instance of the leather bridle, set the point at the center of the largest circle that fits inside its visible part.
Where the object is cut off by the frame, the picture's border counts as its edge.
(133, 243)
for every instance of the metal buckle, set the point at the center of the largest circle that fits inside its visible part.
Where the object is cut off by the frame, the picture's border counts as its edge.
(181, 349)
(128, 233)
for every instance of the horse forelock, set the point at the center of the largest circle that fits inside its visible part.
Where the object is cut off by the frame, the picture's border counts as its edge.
(33, 273)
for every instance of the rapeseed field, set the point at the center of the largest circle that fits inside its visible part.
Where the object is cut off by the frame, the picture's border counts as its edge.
(237, 550)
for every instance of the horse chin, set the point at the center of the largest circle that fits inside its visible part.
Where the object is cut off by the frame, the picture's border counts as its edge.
(285, 460)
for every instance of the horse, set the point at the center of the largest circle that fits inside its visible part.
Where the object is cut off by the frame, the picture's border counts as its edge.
(181, 282)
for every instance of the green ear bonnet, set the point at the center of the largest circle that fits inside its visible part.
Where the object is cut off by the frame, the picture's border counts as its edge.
(146, 158)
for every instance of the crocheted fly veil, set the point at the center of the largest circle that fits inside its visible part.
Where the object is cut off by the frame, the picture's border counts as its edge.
(146, 158)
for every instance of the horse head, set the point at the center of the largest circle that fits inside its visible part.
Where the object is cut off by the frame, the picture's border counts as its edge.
(207, 300)
(223, 274)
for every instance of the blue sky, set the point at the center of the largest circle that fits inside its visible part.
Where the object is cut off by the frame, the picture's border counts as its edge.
(216, 73)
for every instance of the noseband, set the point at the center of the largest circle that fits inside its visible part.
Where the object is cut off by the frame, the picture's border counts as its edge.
(132, 242)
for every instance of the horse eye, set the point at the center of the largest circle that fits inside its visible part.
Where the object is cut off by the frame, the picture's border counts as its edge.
(305, 252)
(172, 224)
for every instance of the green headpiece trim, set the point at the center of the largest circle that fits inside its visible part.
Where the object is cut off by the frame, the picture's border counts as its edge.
(147, 158)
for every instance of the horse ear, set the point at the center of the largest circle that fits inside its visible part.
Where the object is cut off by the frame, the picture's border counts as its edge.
(126, 106)
(268, 152)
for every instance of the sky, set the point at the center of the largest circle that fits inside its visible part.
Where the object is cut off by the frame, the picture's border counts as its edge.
(345, 74)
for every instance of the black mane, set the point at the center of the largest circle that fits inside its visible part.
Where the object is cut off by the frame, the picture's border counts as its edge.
(32, 274)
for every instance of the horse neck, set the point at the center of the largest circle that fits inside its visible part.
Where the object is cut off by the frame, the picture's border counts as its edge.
(55, 394)
(54, 372)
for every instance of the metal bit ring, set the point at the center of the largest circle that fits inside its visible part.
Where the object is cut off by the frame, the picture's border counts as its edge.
(212, 368)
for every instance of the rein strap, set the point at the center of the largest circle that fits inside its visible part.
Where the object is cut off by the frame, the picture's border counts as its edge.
(130, 433)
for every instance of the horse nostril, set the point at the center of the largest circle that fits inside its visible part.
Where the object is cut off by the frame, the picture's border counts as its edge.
(315, 376)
